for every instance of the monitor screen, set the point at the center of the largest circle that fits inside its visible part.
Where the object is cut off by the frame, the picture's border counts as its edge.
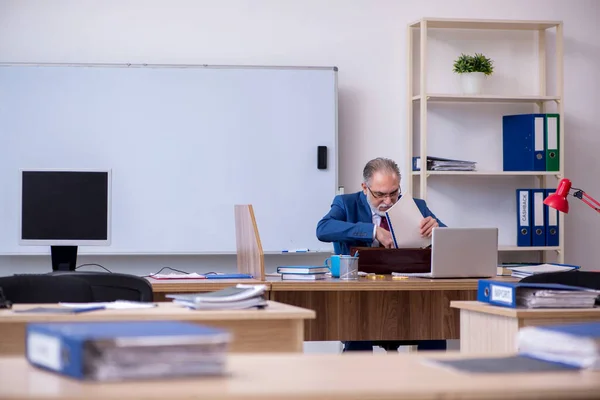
(65, 207)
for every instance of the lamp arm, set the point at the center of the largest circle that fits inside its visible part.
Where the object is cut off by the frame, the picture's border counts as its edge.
(587, 199)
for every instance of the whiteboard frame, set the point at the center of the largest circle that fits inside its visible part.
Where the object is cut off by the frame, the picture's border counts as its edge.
(335, 190)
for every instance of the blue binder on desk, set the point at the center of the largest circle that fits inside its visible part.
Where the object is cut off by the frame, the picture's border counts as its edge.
(523, 217)
(101, 351)
(551, 221)
(511, 294)
(538, 231)
(523, 137)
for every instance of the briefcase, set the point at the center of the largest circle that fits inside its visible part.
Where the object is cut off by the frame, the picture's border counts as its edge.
(380, 260)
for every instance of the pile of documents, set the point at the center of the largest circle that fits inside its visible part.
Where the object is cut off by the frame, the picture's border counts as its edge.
(556, 298)
(571, 344)
(241, 296)
(404, 219)
(444, 164)
(522, 271)
(118, 351)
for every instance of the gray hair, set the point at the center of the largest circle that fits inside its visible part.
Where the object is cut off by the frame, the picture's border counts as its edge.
(380, 164)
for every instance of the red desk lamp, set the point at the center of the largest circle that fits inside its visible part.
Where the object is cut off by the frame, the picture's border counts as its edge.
(559, 201)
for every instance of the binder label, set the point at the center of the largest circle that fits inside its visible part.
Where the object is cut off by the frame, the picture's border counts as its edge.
(524, 208)
(552, 133)
(552, 215)
(44, 350)
(538, 212)
(539, 134)
(501, 294)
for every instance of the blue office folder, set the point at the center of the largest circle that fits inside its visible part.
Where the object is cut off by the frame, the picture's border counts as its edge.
(507, 294)
(523, 217)
(78, 349)
(538, 229)
(523, 146)
(551, 222)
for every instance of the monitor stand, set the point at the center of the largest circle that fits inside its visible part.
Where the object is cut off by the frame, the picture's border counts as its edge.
(64, 258)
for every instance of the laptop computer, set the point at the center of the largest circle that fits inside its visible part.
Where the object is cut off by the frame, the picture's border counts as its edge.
(462, 253)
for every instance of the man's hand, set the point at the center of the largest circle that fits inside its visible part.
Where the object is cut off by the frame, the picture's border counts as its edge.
(427, 225)
(384, 237)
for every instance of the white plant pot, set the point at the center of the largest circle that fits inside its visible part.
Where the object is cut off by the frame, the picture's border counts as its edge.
(472, 82)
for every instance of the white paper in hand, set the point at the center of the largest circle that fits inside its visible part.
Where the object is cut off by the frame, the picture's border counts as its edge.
(404, 219)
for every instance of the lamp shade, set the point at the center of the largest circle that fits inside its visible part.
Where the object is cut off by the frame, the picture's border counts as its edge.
(558, 200)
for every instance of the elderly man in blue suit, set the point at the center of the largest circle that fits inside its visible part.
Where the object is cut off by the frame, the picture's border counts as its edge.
(355, 220)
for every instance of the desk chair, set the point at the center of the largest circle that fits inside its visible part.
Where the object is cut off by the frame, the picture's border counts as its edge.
(28, 289)
(106, 286)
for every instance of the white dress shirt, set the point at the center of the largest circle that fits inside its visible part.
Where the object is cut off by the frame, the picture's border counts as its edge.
(376, 221)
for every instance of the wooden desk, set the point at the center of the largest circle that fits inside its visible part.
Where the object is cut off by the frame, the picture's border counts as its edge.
(162, 287)
(411, 309)
(313, 377)
(486, 328)
(277, 328)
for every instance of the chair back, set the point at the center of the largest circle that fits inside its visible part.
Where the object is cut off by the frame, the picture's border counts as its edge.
(29, 289)
(107, 286)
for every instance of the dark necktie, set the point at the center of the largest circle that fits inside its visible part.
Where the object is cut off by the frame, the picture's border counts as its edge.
(384, 224)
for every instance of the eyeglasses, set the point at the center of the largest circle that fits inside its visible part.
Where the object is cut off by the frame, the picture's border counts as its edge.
(380, 195)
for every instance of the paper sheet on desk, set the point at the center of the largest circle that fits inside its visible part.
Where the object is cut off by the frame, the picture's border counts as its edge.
(404, 219)
(115, 305)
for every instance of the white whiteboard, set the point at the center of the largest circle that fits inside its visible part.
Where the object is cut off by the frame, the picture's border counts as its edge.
(184, 143)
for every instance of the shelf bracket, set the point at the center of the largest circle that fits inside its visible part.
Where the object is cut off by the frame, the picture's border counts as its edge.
(557, 101)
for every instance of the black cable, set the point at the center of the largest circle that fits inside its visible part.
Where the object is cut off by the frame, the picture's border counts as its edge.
(163, 268)
(97, 265)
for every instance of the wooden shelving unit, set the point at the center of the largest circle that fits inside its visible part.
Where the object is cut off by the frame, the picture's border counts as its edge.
(422, 97)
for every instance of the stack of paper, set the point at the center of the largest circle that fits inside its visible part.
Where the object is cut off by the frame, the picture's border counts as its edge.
(232, 298)
(572, 344)
(556, 298)
(528, 270)
(404, 219)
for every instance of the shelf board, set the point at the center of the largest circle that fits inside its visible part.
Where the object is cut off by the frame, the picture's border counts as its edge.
(490, 173)
(458, 98)
(498, 24)
(528, 248)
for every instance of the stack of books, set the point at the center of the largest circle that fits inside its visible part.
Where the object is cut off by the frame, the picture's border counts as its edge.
(575, 345)
(237, 297)
(444, 164)
(119, 351)
(303, 272)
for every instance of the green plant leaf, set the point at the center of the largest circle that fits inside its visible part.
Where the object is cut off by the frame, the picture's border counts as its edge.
(473, 63)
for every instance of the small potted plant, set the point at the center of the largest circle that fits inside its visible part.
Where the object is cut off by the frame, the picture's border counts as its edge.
(473, 70)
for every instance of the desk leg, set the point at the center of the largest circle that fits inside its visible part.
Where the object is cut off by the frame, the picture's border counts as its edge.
(487, 333)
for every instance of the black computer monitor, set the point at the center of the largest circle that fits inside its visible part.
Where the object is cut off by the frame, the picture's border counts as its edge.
(65, 209)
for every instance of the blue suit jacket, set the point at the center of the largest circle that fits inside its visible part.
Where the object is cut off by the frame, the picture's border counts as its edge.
(349, 222)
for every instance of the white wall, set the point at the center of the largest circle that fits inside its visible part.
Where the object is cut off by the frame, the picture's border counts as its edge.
(364, 38)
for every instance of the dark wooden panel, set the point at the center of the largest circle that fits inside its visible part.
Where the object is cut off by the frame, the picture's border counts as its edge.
(385, 315)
